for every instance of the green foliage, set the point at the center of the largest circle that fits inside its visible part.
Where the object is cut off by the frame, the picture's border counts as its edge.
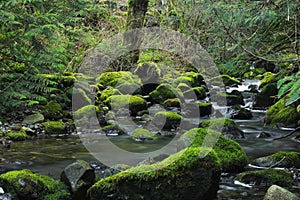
(290, 86)
(17, 133)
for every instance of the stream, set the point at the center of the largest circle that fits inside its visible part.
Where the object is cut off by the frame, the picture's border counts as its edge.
(49, 156)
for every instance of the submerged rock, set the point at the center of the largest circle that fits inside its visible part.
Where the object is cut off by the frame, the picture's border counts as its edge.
(241, 113)
(188, 172)
(141, 134)
(34, 118)
(276, 192)
(78, 176)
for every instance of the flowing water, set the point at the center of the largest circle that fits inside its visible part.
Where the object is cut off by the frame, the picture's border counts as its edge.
(50, 155)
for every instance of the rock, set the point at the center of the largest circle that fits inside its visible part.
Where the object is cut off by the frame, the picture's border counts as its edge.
(267, 96)
(78, 176)
(34, 118)
(133, 104)
(86, 112)
(167, 120)
(164, 92)
(232, 156)
(114, 79)
(79, 98)
(267, 177)
(129, 88)
(224, 125)
(195, 93)
(279, 159)
(150, 161)
(187, 172)
(268, 66)
(233, 98)
(6, 197)
(276, 192)
(141, 134)
(113, 130)
(106, 93)
(205, 108)
(227, 80)
(115, 169)
(54, 127)
(26, 185)
(53, 110)
(263, 135)
(29, 131)
(175, 102)
(17, 133)
(241, 113)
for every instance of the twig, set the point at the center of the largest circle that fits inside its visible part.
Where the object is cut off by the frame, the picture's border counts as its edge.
(274, 165)
(289, 134)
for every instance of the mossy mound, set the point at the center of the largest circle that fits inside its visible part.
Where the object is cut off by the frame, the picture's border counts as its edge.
(227, 80)
(233, 157)
(267, 95)
(205, 108)
(224, 125)
(164, 92)
(129, 88)
(116, 78)
(141, 134)
(184, 79)
(113, 129)
(133, 103)
(54, 127)
(17, 136)
(279, 159)
(188, 173)
(34, 118)
(183, 87)
(148, 72)
(268, 78)
(26, 185)
(198, 78)
(175, 102)
(282, 115)
(86, 111)
(195, 92)
(267, 177)
(105, 94)
(53, 110)
(167, 120)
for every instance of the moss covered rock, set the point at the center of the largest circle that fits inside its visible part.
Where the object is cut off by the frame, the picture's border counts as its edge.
(184, 79)
(34, 118)
(226, 126)
(148, 72)
(86, 111)
(279, 159)
(141, 134)
(53, 110)
(276, 192)
(175, 102)
(232, 156)
(54, 127)
(25, 185)
(105, 94)
(133, 103)
(116, 78)
(129, 88)
(164, 92)
(167, 120)
(267, 96)
(233, 98)
(205, 108)
(113, 129)
(267, 177)
(227, 80)
(80, 98)
(282, 115)
(195, 92)
(187, 173)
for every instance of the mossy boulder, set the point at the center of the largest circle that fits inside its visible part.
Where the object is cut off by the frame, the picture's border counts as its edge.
(233, 98)
(164, 92)
(106, 93)
(266, 97)
(282, 115)
(184, 79)
(268, 78)
(25, 185)
(276, 192)
(129, 88)
(175, 102)
(53, 110)
(141, 134)
(187, 172)
(205, 108)
(241, 113)
(279, 159)
(79, 98)
(183, 87)
(133, 103)
(267, 177)
(226, 79)
(167, 119)
(195, 92)
(227, 127)
(117, 78)
(198, 78)
(233, 157)
(148, 72)
(113, 129)
(86, 111)
(16, 133)
(54, 127)
(34, 118)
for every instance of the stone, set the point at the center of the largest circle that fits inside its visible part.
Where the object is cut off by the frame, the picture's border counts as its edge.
(78, 176)
(241, 113)
(53, 110)
(276, 192)
(34, 118)
(266, 97)
(279, 159)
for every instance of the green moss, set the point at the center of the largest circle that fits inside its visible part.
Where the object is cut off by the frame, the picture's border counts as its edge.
(188, 173)
(133, 103)
(116, 78)
(54, 127)
(231, 154)
(29, 186)
(195, 92)
(227, 80)
(215, 123)
(282, 115)
(267, 177)
(287, 159)
(148, 72)
(175, 102)
(268, 78)
(53, 110)
(86, 111)
(105, 94)
(184, 79)
(164, 92)
(113, 129)
(183, 87)
(17, 136)
(141, 133)
(80, 97)
(129, 88)
(170, 119)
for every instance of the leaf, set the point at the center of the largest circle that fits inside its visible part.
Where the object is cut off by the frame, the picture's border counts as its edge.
(283, 90)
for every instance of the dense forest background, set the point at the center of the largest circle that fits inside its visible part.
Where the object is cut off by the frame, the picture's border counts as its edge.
(43, 43)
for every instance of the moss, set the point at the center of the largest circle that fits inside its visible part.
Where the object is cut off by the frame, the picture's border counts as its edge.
(287, 159)
(175, 102)
(184, 79)
(29, 186)
(183, 87)
(282, 115)
(116, 78)
(113, 129)
(267, 95)
(53, 110)
(231, 154)
(80, 98)
(86, 111)
(105, 94)
(133, 103)
(267, 177)
(227, 80)
(17, 136)
(205, 108)
(268, 78)
(148, 72)
(198, 78)
(186, 172)
(143, 134)
(164, 92)
(195, 92)
(232, 98)
(167, 120)
(54, 127)
(215, 123)
(129, 88)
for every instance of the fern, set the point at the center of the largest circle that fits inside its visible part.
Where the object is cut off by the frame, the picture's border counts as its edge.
(290, 86)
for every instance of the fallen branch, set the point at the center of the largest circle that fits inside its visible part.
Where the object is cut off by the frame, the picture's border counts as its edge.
(289, 134)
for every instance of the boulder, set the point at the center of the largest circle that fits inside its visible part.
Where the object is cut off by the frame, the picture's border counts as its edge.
(241, 113)
(276, 192)
(227, 80)
(266, 97)
(233, 98)
(164, 92)
(195, 93)
(205, 108)
(167, 120)
(189, 172)
(80, 98)
(141, 134)
(232, 156)
(175, 102)
(113, 129)
(34, 118)
(53, 110)
(25, 185)
(78, 176)
(54, 127)
(117, 78)
(133, 104)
